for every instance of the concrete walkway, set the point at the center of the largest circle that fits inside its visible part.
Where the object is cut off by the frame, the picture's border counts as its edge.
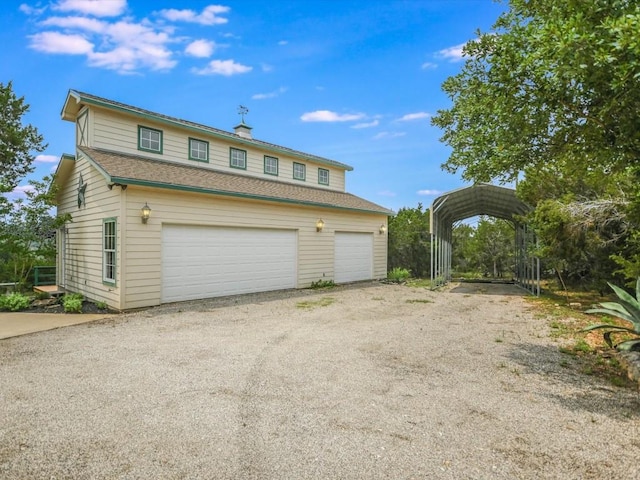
(22, 323)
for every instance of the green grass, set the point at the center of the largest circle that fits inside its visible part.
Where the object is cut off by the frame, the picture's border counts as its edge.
(323, 302)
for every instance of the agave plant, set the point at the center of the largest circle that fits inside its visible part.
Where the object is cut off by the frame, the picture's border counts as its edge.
(628, 309)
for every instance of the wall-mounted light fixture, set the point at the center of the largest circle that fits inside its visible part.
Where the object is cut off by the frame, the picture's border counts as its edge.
(145, 212)
(383, 229)
(319, 225)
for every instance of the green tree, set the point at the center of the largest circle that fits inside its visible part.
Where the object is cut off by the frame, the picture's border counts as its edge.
(552, 81)
(409, 241)
(17, 141)
(549, 97)
(27, 232)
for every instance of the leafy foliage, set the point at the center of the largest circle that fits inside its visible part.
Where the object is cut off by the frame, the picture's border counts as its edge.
(322, 284)
(27, 231)
(549, 98)
(17, 141)
(14, 302)
(72, 302)
(628, 309)
(552, 80)
(409, 241)
(398, 275)
(486, 250)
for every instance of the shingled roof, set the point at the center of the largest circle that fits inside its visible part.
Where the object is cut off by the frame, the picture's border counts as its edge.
(126, 169)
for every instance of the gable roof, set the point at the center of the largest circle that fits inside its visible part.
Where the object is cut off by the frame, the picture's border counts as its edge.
(76, 100)
(123, 169)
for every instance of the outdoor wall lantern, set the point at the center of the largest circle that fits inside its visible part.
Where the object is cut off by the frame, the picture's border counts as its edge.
(383, 229)
(145, 213)
(319, 225)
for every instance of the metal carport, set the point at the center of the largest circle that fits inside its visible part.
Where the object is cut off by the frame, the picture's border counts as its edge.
(481, 199)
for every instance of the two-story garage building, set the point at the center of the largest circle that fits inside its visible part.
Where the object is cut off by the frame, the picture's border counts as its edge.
(167, 210)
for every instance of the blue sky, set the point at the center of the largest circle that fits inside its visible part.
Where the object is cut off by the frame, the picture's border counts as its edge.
(353, 81)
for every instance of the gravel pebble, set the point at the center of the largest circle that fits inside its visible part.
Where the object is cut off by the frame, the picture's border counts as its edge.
(386, 382)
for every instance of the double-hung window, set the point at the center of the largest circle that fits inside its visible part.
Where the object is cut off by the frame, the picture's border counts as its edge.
(109, 251)
(198, 150)
(149, 139)
(238, 158)
(323, 176)
(270, 165)
(299, 171)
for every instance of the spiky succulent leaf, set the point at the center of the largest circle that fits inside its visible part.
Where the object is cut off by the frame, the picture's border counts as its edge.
(631, 304)
(615, 328)
(614, 313)
(629, 345)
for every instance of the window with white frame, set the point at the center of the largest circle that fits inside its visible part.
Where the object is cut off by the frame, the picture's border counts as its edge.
(299, 171)
(198, 150)
(238, 158)
(109, 241)
(270, 165)
(149, 139)
(323, 176)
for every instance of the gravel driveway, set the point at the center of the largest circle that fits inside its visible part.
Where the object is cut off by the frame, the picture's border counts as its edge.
(372, 381)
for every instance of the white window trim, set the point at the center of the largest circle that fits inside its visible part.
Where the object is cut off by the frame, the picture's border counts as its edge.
(107, 251)
(231, 158)
(303, 170)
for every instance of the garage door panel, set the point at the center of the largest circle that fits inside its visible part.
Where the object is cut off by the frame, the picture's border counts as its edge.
(201, 262)
(353, 256)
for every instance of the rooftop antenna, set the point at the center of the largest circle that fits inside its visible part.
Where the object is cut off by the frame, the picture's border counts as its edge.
(242, 111)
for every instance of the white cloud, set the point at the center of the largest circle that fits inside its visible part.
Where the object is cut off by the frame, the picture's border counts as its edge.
(97, 8)
(47, 159)
(208, 16)
(283, 42)
(126, 45)
(429, 193)
(387, 193)
(80, 23)
(20, 191)
(366, 124)
(382, 135)
(428, 66)
(264, 96)
(29, 10)
(414, 116)
(266, 67)
(200, 48)
(54, 42)
(329, 116)
(223, 67)
(453, 54)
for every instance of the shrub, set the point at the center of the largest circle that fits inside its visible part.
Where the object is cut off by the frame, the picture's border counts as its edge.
(628, 309)
(323, 284)
(398, 275)
(72, 303)
(14, 302)
(101, 305)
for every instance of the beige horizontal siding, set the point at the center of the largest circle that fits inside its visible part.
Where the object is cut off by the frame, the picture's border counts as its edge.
(117, 132)
(83, 250)
(315, 249)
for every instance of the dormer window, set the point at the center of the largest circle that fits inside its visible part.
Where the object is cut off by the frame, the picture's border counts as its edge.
(198, 150)
(238, 158)
(149, 139)
(323, 176)
(299, 171)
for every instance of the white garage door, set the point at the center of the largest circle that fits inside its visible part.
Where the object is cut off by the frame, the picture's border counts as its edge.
(353, 257)
(202, 262)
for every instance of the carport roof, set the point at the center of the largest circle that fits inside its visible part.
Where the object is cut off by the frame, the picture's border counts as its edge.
(123, 169)
(478, 199)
